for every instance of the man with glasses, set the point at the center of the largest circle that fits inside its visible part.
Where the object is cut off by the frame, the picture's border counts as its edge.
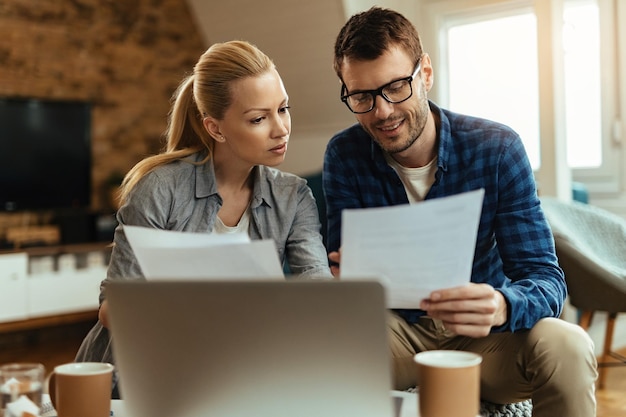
(405, 149)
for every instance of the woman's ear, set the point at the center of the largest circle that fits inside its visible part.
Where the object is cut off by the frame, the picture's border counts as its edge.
(211, 126)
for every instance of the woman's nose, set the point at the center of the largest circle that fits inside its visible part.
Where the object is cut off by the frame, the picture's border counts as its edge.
(281, 127)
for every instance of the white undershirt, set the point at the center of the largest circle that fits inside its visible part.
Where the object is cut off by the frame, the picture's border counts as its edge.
(416, 181)
(220, 228)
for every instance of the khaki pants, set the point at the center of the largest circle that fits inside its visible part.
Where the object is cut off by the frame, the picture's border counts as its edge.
(553, 363)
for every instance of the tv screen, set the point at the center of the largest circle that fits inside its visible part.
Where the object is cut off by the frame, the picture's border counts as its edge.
(45, 154)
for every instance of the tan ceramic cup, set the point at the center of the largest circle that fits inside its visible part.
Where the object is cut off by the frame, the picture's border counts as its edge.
(81, 389)
(449, 383)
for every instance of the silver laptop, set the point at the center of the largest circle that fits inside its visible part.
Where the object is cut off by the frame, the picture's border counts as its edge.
(251, 348)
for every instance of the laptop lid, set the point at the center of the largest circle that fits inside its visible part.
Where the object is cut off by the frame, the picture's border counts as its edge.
(251, 349)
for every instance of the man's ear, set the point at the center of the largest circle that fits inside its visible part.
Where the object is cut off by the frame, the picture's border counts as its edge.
(211, 125)
(428, 76)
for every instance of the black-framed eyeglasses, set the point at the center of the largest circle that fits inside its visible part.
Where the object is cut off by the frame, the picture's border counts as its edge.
(394, 92)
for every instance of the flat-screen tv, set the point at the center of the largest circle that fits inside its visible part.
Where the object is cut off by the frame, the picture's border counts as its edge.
(45, 154)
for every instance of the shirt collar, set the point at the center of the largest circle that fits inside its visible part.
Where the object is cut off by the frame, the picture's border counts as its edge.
(444, 136)
(207, 186)
(205, 175)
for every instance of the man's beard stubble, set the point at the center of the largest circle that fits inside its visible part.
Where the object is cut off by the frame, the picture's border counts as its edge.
(416, 125)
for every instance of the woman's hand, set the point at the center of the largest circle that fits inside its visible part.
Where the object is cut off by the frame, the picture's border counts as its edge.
(335, 259)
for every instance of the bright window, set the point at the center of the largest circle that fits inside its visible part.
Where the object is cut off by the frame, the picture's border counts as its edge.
(492, 72)
(581, 42)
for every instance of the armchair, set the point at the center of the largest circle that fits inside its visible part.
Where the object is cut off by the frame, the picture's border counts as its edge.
(591, 247)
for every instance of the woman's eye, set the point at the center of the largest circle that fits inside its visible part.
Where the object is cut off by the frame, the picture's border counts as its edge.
(257, 120)
(284, 109)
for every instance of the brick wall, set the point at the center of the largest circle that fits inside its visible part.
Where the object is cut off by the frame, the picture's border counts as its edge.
(124, 56)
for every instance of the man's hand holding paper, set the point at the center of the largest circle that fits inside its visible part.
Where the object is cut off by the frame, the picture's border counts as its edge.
(471, 310)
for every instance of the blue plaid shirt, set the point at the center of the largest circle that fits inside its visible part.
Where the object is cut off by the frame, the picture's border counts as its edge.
(514, 248)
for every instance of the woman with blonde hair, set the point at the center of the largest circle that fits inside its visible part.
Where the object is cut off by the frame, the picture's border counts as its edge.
(228, 127)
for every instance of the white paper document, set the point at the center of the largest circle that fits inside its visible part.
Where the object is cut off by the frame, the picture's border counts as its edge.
(165, 254)
(412, 249)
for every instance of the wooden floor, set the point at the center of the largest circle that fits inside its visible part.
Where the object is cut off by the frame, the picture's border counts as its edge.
(612, 399)
(59, 344)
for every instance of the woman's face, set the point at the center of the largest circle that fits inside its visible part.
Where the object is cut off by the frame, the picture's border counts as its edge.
(256, 127)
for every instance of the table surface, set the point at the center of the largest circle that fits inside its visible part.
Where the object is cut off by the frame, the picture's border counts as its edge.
(409, 405)
(408, 408)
